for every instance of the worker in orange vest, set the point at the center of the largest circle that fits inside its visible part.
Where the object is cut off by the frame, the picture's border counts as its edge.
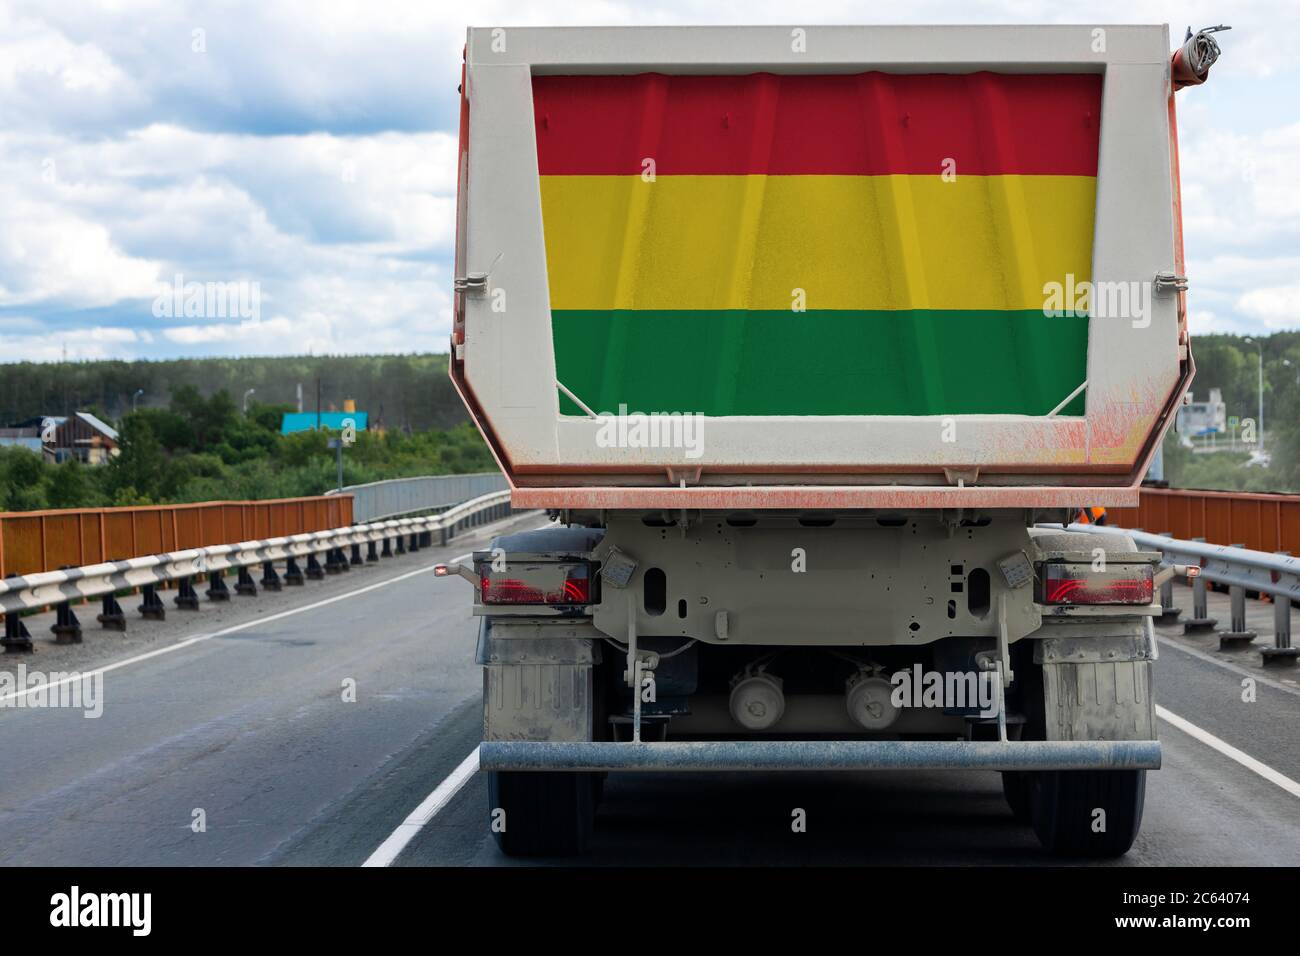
(1095, 515)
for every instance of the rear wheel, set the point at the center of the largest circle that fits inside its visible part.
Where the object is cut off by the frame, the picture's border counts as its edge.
(1015, 787)
(1093, 813)
(545, 814)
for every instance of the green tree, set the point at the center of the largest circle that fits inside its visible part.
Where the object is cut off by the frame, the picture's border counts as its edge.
(141, 464)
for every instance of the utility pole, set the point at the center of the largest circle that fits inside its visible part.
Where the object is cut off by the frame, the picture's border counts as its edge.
(318, 403)
(337, 445)
(1259, 425)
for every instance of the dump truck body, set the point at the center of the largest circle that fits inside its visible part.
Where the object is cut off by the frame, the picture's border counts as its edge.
(799, 334)
(900, 259)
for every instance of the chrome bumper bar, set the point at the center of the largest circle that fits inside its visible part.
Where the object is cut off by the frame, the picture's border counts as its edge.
(777, 755)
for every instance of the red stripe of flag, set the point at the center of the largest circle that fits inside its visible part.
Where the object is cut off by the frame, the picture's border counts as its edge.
(850, 124)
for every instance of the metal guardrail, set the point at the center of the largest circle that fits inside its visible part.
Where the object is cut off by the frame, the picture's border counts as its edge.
(403, 496)
(1242, 569)
(35, 541)
(61, 588)
(1264, 522)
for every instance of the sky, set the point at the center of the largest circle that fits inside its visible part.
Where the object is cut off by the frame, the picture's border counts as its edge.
(309, 148)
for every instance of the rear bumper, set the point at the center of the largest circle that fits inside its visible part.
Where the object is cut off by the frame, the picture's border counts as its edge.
(773, 755)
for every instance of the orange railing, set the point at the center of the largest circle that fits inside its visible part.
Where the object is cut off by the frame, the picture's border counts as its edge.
(32, 541)
(1260, 522)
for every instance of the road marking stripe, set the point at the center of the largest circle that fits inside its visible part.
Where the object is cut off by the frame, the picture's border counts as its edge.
(1229, 751)
(1226, 665)
(225, 630)
(391, 848)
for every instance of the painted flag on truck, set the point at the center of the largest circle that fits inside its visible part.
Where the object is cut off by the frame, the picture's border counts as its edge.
(855, 244)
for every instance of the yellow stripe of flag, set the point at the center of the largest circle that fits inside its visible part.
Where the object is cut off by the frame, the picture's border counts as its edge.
(728, 242)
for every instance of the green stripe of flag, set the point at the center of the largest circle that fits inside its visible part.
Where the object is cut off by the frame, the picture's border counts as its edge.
(827, 362)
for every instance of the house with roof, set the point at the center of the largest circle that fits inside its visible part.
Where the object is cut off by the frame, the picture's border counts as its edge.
(81, 436)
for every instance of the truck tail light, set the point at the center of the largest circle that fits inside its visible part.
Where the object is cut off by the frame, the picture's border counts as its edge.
(550, 584)
(1062, 583)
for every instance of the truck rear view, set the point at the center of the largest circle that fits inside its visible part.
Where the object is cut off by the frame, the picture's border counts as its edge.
(798, 334)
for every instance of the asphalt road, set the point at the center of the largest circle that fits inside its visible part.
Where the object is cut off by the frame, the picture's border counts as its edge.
(249, 730)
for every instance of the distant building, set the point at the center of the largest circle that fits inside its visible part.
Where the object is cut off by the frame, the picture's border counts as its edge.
(306, 421)
(81, 436)
(1203, 418)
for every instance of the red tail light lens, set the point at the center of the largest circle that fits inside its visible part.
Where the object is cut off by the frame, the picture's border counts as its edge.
(1081, 584)
(550, 584)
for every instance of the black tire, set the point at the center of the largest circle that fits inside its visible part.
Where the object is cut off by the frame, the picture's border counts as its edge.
(1015, 787)
(1064, 804)
(546, 814)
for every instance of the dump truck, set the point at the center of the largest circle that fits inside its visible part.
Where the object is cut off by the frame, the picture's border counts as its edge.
(810, 341)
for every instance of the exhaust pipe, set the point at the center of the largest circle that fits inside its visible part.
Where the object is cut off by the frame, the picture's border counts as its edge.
(1192, 61)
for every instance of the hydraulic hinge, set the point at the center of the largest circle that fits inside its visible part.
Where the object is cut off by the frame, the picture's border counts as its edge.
(473, 284)
(1170, 282)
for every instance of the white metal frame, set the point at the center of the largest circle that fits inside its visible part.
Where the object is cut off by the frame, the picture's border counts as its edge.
(509, 364)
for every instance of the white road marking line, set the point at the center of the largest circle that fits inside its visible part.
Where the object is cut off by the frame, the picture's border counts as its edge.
(1229, 751)
(225, 630)
(81, 676)
(391, 848)
(1226, 665)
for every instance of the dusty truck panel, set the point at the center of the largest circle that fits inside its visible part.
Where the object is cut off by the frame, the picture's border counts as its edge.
(799, 335)
(843, 262)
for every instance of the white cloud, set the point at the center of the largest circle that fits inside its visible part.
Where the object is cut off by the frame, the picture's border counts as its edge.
(50, 255)
(311, 148)
(1278, 307)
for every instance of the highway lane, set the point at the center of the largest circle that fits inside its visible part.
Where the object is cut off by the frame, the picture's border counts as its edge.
(251, 728)
(1203, 809)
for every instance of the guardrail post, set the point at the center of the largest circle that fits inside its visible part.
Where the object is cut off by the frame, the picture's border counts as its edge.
(1200, 619)
(186, 597)
(111, 615)
(414, 544)
(270, 580)
(341, 560)
(399, 543)
(217, 590)
(426, 539)
(386, 551)
(1281, 652)
(292, 573)
(152, 608)
(1168, 611)
(1236, 635)
(332, 561)
(314, 570)
(445, 535)
(371, 553)
(245, 584)
(66, 628)
(17, 639)
(356, 555)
